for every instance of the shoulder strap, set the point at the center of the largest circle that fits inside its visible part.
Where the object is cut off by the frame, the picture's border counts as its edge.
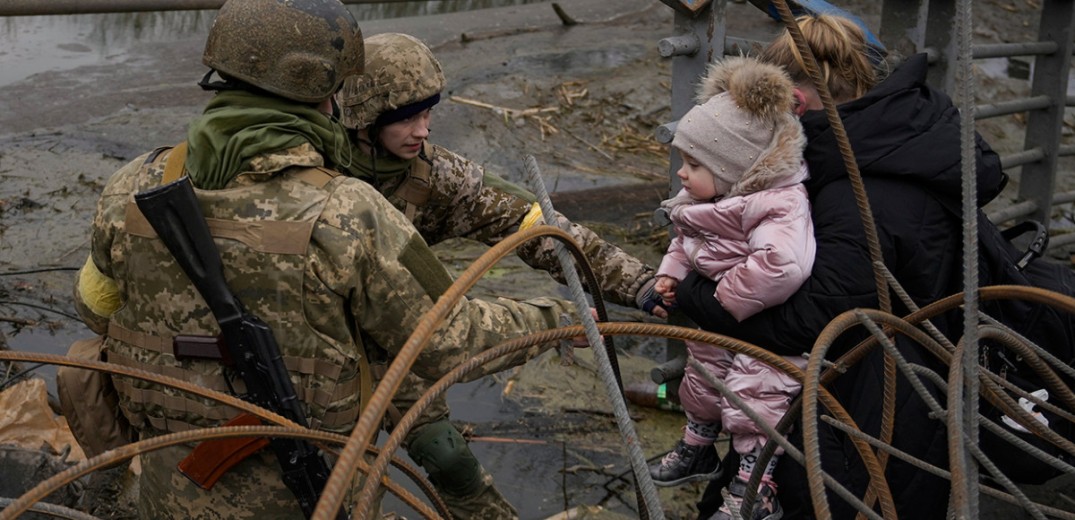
(416, 188)
(173, 168)
(318, 176)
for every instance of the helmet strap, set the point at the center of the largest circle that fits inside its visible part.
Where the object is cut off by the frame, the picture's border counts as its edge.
(226, 83)
(222, 84)
(336, 113)
(376, 148)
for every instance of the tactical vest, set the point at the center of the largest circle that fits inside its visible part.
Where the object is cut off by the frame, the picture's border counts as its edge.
(265, 261)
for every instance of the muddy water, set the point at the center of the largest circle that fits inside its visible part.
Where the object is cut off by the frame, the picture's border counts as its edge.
(35, 44)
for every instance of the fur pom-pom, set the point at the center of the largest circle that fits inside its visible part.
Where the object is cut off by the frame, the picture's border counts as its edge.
(760, 88)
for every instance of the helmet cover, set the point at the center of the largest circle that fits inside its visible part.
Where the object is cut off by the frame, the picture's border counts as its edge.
(299, 49)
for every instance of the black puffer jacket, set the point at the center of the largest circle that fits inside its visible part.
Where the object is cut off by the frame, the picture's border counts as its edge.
(907, 141)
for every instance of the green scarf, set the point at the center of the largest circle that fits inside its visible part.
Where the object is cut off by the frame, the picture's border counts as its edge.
(237, 126)
(378, 170)
(387, 167)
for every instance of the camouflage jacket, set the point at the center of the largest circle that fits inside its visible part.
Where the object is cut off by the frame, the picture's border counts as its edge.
(467, 202)
(335, 271)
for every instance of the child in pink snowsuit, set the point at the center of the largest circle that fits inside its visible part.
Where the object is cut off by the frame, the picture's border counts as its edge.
(743, 220)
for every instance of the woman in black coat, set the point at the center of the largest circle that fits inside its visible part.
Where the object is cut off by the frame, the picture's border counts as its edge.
(906, 139)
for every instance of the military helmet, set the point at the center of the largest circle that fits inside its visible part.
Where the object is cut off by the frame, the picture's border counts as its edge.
(298, 49)
(400, 71)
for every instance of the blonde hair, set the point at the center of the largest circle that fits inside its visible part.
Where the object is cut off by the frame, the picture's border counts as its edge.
(839, 46)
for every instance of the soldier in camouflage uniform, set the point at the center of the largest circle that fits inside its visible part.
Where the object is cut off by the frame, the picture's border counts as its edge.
(338, 273)
(447, 196)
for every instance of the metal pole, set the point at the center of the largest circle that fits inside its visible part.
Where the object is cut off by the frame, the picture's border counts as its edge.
(51, 7)
(962, 420)
(1037, 181)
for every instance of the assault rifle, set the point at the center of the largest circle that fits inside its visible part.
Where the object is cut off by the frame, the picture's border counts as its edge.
(172, 209)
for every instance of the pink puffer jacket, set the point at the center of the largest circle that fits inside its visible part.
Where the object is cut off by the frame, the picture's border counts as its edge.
(759, 247)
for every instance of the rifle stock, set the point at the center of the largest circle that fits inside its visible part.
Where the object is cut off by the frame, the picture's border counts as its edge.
(173, 212)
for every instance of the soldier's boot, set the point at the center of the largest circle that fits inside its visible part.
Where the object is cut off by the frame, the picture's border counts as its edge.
(485, 504)
(467, 489)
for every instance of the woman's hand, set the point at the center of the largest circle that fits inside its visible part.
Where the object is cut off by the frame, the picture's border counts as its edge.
(581, 341)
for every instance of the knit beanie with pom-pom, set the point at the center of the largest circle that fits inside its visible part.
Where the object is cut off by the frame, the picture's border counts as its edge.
(745, 132)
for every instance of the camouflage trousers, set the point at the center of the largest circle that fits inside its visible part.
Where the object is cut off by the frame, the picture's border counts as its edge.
(487, 504)
(252, 489)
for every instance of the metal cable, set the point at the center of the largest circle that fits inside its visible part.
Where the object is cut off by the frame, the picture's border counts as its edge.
(1047, 375)
(546, 336)
(1017, 292)
(908, 302)
(1000, 431)
(813, 382)
(608, 329)
(1023, 417)
(10, 380)
(613, 387)
(1031, 294)
(811, 67)
(1007, 336)
(1056, 363)
(817, 394)
(811, 438)
(1045, 405)
(1000, 332)
(963, 388)
(993, 393)
(934, 470)
(935, 407)
(38, 270)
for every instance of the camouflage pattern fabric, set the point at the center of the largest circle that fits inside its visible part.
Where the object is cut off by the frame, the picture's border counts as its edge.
(400, 70)
(464, 204)
(249, 490)
(487, 504)
(345, 294)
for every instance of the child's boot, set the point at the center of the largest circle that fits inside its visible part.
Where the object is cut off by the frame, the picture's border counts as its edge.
(686, 463)
(766, 505)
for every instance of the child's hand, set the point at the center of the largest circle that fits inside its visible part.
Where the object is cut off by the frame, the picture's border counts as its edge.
(666, 287)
